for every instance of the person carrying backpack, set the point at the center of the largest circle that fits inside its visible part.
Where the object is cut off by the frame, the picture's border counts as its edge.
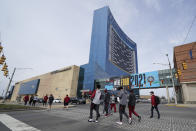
(106, 102)
(154, 102)
(131, 106)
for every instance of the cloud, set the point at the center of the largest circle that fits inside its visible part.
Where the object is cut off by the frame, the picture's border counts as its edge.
(153, 4)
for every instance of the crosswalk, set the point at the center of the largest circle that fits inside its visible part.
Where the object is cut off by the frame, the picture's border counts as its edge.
(14, 124)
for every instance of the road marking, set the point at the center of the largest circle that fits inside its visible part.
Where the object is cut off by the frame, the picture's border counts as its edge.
(15, 125)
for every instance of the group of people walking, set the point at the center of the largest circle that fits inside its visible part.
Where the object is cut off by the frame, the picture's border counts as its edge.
(110, 102)
(34, 99)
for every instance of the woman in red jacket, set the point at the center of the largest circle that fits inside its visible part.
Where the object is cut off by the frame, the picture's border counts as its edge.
(66, 101)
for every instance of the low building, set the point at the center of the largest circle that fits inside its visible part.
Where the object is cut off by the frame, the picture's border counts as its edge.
(185, 64)
(59, 83)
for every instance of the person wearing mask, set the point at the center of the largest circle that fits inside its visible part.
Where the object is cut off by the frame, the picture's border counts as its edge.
(50, 100)
(131, 106)
(154, 105)
(66, 101)
(113, 103)
(122, 104)
(26, 99)
(45, 100)
(95, 97)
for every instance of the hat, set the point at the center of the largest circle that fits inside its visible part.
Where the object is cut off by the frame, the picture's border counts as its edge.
(131, 90)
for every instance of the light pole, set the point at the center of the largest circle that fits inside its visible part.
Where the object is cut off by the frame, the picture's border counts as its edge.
(167, 91)
(11, 81)
(171, 73)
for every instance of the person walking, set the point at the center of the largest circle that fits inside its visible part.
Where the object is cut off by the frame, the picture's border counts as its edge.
(31, 100)
(66, 101)
(106, 102)
(50, 101)
(113, 103)
(131, 106)
(95, 97)
(122, 104)
(35, 99)
(154, 104)
(45, 100)
(26, 99)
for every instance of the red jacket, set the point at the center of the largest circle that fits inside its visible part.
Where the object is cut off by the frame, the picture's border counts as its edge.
(153, 100)
(26, 98)
(93, 95)
(66, 99)
(45, 98)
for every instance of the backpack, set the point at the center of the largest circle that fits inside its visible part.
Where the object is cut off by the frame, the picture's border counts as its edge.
(157, 100)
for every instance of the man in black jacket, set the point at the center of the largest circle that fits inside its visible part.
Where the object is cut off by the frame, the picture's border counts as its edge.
(106, 102)
(131, 105)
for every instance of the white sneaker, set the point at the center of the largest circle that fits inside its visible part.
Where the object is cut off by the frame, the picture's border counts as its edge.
(130, 120)
(120, 123)
(90, 120)
(96, 121)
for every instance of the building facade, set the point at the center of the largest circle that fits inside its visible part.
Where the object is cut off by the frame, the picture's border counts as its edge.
(185, 64)
(59, 83)
(112, 52)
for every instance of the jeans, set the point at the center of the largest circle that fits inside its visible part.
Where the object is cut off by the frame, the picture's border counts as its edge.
(132, 110)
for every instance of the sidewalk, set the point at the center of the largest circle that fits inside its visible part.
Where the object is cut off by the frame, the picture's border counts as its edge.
(182, 105)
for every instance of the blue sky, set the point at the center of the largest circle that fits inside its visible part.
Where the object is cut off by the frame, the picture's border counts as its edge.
(47, 35)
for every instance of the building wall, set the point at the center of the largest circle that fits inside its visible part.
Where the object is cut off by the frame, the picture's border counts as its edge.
(59, 83)
(189, 91)
(188, 77)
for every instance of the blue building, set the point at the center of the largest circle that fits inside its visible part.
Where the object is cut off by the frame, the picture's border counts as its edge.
(112, 52)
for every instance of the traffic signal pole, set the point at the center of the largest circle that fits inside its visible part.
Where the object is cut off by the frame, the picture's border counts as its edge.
(172, 80)
(9, 84)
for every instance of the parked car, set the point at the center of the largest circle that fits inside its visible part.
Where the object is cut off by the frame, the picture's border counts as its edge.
(40, 100)
(75, 100)
(57, 101)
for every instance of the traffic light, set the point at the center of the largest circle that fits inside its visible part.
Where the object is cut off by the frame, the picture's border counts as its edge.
(4, 67)
(184, 65)
(1, 48)
(162, 81)
(179, 72)
(2, 59)
(6, 73)
(176, 75)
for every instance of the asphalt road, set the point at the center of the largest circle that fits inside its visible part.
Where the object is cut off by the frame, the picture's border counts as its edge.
(75, 119)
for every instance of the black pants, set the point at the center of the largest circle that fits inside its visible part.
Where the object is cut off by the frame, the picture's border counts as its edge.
(33, 103)
(156, 108)
(122, 111)
(106, 108)
(44, 103)
(96, 108)
(25, 103)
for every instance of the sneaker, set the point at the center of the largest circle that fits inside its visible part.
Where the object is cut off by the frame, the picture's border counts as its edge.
(120, 123)
(151, 116)
(90, 120)
(106, 115)
(158, 117)
(130, 120)
(139, 118)
(96, 121)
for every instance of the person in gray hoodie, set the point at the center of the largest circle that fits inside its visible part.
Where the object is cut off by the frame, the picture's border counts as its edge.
(122, 104)
(95, 97)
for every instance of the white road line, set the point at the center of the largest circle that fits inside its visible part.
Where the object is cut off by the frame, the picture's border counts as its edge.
(15, 125)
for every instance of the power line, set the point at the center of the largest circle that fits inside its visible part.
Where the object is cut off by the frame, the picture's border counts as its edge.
(189, 29)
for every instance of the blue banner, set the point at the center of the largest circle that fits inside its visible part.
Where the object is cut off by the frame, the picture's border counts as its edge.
(145, 80)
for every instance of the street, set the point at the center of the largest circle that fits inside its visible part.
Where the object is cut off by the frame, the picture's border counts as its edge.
(76, 118)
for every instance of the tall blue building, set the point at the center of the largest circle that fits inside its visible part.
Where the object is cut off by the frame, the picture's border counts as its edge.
(112, 52)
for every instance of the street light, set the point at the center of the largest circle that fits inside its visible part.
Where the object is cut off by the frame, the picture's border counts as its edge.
(172, 79)
(11, 80)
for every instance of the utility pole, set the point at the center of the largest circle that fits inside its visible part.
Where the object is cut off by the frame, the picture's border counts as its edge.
(9, 84)
(171, 73)
(167, 92)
